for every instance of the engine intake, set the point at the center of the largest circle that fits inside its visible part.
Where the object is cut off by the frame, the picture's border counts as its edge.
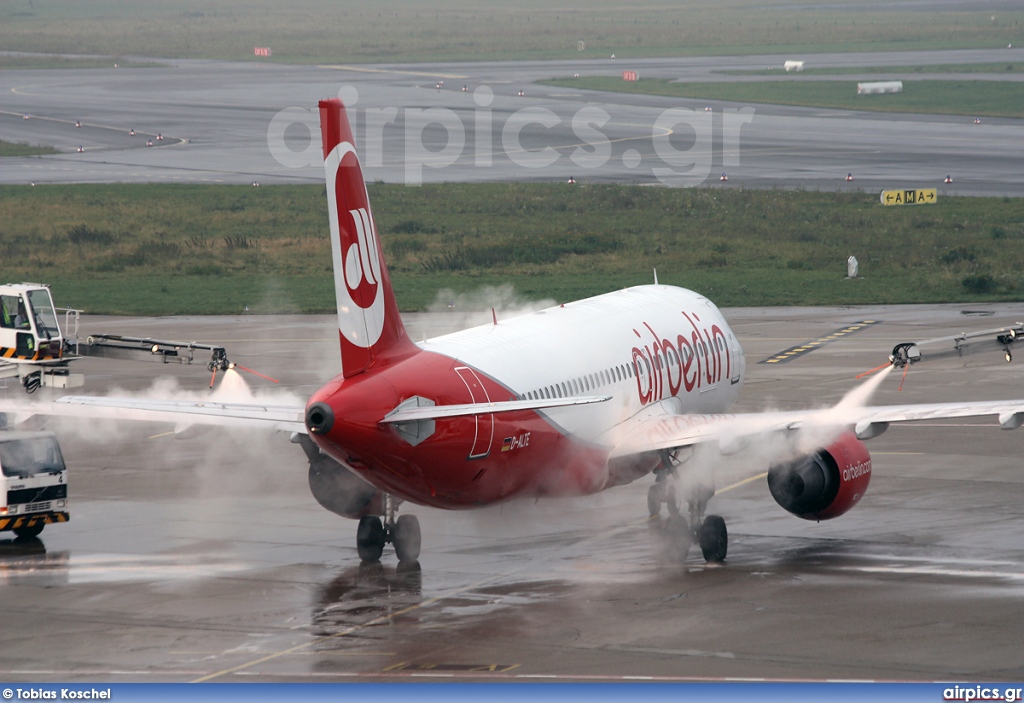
(825, 484)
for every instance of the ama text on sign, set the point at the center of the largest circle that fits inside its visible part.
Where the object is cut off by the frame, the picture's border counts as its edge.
(910, 196)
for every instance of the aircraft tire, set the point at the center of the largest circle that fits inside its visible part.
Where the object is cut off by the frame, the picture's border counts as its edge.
(407, 538)
(671, 500)
(654, 499)
(714, 539)
(370, 538)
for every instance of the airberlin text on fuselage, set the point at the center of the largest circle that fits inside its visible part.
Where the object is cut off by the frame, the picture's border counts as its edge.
(698, 357)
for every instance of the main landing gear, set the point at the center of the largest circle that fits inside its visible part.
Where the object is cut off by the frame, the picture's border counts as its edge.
(373, 533)
(708, 531)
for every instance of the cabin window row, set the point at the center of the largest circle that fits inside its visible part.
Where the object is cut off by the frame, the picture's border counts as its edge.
(617, 374)
(583, 384)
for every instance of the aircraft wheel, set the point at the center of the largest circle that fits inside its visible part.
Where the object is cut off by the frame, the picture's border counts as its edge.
(714, 538)
(370, 538)
(407, 538)
(407, 568)
(654, 499)
(30, 531)
(671, 501)
(677, 538)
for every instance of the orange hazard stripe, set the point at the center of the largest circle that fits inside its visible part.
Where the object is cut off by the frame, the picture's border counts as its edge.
(9, 353)
(13, 523)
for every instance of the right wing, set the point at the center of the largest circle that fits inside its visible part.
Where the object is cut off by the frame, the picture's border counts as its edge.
(733, 432)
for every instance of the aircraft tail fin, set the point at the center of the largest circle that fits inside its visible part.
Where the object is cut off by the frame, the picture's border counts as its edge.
(369, 327)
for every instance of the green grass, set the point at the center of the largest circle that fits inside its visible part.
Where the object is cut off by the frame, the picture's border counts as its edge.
(342, 31)
(48, 61)
(1000, 68)
(159, 249)
(23, 149)
(967, 97)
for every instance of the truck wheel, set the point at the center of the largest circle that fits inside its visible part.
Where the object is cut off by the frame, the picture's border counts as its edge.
(31, 530)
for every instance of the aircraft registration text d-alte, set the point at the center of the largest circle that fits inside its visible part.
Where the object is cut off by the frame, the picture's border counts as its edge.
(566, 401)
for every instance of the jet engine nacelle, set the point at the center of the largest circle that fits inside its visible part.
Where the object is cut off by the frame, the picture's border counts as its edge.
(338, 489)
(825, 484)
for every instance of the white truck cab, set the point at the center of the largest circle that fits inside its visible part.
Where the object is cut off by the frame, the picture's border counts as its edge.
(28, 323)
(32, 347)
(33, 482)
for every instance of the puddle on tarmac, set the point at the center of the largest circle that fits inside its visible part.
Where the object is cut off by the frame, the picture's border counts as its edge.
(372, 601)
(923, 563)
(26, 561)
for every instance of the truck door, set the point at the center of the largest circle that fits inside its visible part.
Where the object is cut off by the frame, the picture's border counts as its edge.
(10, 323)
(45, 319)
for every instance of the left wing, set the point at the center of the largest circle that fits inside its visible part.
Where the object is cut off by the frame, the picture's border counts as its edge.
(288, 418)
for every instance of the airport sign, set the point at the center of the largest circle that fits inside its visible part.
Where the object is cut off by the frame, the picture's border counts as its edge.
(910, 196)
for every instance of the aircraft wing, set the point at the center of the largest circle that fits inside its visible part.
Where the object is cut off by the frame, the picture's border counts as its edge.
(287, 418)
(733, 432)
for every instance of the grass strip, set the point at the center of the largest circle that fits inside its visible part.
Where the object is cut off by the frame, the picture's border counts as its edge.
(23, 149)
(194, 249)
(967, 97)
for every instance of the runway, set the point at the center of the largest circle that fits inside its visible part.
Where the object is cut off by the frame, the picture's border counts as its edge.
(257, 123)
(208, 560)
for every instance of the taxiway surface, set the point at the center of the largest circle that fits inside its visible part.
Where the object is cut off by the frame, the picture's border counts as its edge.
(208, 559)
(252, 122)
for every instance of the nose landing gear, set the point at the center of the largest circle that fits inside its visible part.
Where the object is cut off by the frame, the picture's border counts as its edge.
(663, 491)
(708, 531)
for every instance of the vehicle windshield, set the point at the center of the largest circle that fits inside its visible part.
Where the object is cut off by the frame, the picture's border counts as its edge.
(28, 457)
(42, 308)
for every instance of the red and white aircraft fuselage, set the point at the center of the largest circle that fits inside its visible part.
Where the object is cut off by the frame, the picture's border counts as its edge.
(642, 348)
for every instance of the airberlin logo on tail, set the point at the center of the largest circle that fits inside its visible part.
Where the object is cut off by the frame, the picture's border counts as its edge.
(362, 265)
(357, 273)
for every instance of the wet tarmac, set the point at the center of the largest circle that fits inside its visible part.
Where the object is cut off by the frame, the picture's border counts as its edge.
(207, 559)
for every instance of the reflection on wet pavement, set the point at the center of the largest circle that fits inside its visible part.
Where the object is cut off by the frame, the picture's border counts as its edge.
(24, 560)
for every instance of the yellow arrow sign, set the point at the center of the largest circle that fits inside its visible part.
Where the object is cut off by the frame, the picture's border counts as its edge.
(921, 196)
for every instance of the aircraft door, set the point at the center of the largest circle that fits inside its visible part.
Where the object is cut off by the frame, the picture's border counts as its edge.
(738, 362)
(484, 423)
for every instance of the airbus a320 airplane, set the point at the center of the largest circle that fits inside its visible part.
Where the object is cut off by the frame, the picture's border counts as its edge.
(566, 401)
